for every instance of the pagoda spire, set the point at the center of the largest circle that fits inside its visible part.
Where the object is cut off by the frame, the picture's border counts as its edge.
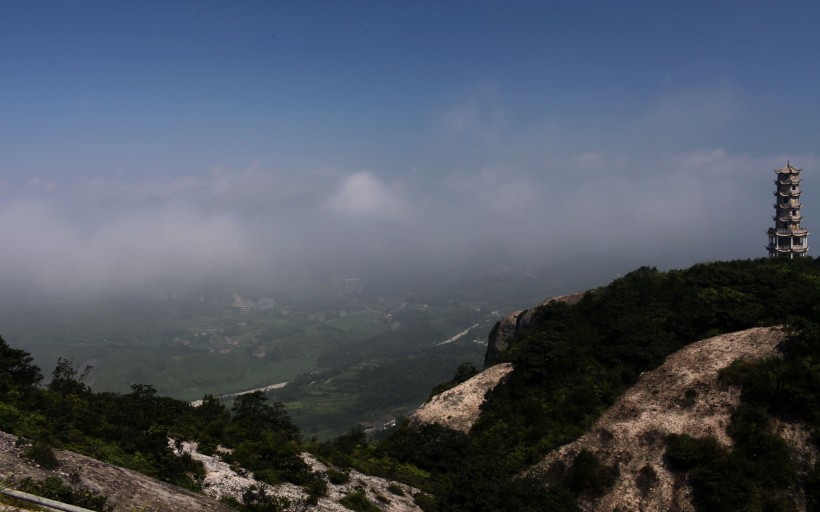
(787, 239)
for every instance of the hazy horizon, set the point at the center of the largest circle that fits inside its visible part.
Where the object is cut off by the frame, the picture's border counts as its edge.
(191, 141)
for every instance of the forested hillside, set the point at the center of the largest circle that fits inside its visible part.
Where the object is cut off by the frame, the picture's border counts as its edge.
(574, 360)
(132, 430)
(571, 363)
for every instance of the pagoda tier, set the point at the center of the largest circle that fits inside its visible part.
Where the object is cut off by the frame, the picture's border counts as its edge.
(787, 239)
(788, 218)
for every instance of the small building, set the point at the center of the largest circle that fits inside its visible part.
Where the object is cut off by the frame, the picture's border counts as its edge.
(787, 239)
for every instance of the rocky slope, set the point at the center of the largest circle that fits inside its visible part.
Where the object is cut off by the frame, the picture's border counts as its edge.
(222, 481)
(683, 396)
(458, 408)
(126, 489)
(129, 490)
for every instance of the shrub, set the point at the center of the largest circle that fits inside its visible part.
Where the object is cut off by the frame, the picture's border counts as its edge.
(42, 454)
(358, 501)
(425, 502)
(54, 488)
(338, 477)
(316, 486)
(721, 486)
(588, 475)
(256, 499)
(689, 397)
(684, 452)
(647, 477)
(396, 489)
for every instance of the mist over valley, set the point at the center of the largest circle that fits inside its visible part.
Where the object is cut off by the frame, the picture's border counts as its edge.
(241, 246)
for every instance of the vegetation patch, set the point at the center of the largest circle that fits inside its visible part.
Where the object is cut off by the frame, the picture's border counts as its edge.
(647, 478)
(41, 454)
(358, 501)
(757, 471)
(588, 476)
(338, 477)
(53, 488)
(395, 489)
(573, 361)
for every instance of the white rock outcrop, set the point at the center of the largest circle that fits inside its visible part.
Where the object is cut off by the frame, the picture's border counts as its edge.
(458, 408)
(682, 396)
(222, 481)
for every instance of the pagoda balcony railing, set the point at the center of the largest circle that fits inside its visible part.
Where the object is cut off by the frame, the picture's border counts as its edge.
(787, 193)
(791, 180)
(789, 232)
(789, 205)
(788, 218)
(796, 248)
(776, 245)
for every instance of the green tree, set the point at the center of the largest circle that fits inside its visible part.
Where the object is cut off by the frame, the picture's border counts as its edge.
(66, 379)
(251, 412)
(16, 368)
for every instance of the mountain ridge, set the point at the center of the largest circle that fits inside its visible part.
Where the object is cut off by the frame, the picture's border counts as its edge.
(744, 410)
(682, 396)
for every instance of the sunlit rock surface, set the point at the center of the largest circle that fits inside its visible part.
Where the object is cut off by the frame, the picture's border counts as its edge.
(682, 396)
(458, 408)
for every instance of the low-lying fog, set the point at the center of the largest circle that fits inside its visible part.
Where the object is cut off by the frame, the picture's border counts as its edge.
(266, 224)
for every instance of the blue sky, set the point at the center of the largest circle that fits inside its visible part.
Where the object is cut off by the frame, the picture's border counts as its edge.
(424, 130)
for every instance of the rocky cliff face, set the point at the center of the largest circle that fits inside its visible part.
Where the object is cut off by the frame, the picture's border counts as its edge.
(505, 329)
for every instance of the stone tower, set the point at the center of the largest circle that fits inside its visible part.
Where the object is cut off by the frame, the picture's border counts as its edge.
(787, 239)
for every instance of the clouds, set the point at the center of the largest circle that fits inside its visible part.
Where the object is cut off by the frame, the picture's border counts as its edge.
(698, 205)
(511, 189)
(430, 139)
(54, 247)
(363, 195)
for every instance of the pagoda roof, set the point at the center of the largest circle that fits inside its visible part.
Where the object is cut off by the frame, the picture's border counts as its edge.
(788, 169)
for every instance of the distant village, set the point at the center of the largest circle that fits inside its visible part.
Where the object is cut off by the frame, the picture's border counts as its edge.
(225, 336)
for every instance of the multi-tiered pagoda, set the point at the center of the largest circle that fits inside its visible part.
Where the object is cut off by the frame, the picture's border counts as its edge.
(787, 239)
